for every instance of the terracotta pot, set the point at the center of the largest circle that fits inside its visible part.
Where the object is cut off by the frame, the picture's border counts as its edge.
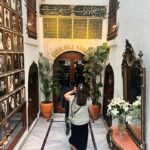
(46, 109)
(95, 111)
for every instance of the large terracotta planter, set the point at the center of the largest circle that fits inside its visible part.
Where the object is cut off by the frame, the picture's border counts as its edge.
(95, 111)
(46, 109)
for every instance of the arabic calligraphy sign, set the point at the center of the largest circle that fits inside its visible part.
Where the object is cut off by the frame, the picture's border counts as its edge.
(69, 10)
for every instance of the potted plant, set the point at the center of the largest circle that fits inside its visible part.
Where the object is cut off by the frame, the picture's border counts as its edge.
(49, 84)
(94, 61)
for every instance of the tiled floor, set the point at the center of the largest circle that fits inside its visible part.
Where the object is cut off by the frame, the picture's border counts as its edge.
(57, 139)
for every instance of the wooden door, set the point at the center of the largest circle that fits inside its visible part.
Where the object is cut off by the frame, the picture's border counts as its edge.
(108, 92)
(70, 62)
(33, 98)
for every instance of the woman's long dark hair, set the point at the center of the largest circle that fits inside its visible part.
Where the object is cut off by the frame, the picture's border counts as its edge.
(81, 95)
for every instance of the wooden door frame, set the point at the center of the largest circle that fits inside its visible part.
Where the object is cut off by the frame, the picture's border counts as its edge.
(108, 92)
(33, 69)
(71, 55)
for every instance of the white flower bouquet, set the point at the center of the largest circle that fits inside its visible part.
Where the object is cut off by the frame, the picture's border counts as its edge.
(135, 110)
(117, 107)
(137, 104)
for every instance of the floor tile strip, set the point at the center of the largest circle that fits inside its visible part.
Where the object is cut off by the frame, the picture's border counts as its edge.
(92, 136)
(91, 131)
(48, 131)
(58, 121)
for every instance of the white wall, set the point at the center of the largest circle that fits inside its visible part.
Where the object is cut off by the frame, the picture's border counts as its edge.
(31, 53)
(133, 20)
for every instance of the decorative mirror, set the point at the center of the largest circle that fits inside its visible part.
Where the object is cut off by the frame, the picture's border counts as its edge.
(134, 74)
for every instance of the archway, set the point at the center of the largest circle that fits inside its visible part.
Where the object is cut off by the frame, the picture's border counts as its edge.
(108, 92)
(71, 69)
(33, 97)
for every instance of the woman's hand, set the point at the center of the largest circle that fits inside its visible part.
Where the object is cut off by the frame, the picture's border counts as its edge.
(67, 95)
(75, 90)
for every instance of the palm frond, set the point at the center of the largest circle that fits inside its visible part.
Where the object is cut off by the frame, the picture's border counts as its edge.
(48, 81)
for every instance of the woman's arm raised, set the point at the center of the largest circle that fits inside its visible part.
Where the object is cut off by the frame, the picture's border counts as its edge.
(68, 94)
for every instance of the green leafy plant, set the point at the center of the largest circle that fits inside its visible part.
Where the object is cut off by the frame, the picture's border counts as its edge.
(94, 61)
(48, 81)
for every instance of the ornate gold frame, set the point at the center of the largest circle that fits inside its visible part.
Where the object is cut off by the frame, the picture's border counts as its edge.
(130, 61)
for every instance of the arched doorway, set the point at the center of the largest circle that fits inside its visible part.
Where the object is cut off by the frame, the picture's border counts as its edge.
(71, 69)
(33, 97)
(108, 92)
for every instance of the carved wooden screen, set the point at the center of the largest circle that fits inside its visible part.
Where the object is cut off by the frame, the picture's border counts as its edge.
(112, 22)
(31, 19)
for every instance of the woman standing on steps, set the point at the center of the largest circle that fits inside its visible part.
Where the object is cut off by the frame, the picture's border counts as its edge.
(79, 116)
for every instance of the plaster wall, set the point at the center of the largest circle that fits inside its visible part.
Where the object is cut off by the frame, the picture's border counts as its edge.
(133, 20)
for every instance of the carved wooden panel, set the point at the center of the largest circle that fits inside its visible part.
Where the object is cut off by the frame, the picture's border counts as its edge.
(112, 19)
(31, 19)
